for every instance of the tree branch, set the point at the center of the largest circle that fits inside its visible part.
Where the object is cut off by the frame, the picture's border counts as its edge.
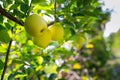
(9, 16)
(55, 10)
(6, 60)
(52, 22)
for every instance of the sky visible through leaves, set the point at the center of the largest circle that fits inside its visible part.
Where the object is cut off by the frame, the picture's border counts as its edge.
(114, 24)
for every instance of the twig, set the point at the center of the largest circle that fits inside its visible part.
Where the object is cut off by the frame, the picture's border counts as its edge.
(51, 23)
(4, 13)
(7, 55)
(6, 58)
(30, 5)
(55, 10)
(9, 16)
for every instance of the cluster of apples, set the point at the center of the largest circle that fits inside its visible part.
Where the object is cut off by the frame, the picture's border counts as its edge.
(37, 27)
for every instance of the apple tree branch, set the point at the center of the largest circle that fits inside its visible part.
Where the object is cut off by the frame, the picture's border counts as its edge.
(9, 16)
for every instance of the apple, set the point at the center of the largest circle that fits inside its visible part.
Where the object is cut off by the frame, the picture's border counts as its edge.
(44, 39)
(35, 25)
(57, 31)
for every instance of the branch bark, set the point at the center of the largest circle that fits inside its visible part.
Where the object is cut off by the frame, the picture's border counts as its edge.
(7, 56)
(6, 60)
(51, 23)
(9, 16)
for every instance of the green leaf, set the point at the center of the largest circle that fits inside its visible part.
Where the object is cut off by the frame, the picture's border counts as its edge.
(2, 27)
(24, 8)
(52, 76)
(8, 26)
(9, 1)
(72, 31)
(16, 75)
(79, 3)
(19, 1)
(1, 65)
(14, 6)
(2, 49)
(4, 36)
(86, 2)
(26, 1)
(62, 51)
(1, 19)
(60, 1)
(38, 1)
(5, 3)
(18, 13)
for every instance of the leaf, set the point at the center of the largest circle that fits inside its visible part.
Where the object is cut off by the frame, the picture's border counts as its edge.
(1, 65)
(19, 1)
(21, 37)
(76, 66)
(9, 1)
(2, 27)
(26, 1)
(52, 76)
(72, 31)
(16, 75)
(8, 25)
(50, 69)
(24, 8)
(14, 6)
(20, 75)
(1, 19)
(79, 3)
(89, 46)
(44, 6)
(18, 13)
(5, 3)
(86, 2)
(60, 1)
(2, 49)
(62, 51)
(4, 36)
(84, 78)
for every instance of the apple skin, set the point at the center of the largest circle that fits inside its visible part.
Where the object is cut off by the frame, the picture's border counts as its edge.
(57, 31)
(43, 40)
(34, 25)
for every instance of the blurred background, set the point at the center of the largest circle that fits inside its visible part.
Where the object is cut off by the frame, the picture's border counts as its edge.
(90, 49)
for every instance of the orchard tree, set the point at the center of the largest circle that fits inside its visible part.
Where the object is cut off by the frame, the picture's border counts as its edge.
(53, 40)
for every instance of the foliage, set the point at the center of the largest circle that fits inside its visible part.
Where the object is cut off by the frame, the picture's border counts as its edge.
(83, 43)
